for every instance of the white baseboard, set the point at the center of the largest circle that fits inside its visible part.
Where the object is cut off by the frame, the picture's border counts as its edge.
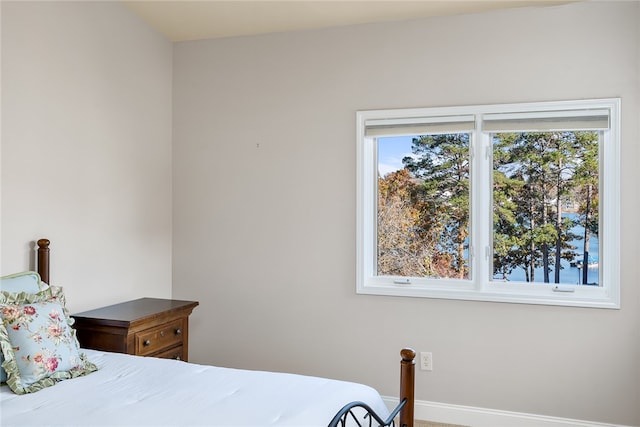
(482, 417)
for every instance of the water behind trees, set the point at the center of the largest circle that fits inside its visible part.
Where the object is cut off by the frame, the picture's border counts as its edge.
(570, 272)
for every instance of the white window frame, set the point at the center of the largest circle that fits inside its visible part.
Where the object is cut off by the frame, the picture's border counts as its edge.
(480, 286)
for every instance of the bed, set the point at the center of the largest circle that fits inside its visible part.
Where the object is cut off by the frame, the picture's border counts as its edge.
(127, 390)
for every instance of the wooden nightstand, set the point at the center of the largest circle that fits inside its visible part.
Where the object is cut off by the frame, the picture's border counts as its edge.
(144, 327)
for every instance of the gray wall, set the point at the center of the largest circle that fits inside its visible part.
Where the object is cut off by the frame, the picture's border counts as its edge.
(86, 149)
(264, 236)
(264, 206)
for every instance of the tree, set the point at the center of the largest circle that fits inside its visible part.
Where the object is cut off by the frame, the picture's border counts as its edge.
(544, 163)
(505, 236)
(424, 209)
(403, 249)
(587, 179)
(441, 163)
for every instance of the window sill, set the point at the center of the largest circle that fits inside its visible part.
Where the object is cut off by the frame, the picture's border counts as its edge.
(539, 294)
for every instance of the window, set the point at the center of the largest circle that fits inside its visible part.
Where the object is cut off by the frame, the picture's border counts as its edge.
(508, 203)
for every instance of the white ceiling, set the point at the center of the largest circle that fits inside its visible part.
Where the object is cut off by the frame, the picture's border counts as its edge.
(182, 20)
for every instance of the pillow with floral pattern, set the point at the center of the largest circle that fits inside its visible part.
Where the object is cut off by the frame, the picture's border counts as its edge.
(39, 346)
(28, 281)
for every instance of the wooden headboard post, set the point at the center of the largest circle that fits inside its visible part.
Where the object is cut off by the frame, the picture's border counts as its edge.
(43, 260)
(407, 383)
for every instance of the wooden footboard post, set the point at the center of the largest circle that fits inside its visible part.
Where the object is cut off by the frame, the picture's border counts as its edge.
(43, 260)
(407, 383)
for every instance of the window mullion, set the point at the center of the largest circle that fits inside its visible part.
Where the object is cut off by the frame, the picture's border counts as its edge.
(481, 207)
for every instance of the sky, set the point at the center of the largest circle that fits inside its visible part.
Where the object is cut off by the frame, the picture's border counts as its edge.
(391, 150)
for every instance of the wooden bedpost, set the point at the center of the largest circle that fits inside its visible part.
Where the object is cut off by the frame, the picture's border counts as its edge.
(43, 260)
(407, 383)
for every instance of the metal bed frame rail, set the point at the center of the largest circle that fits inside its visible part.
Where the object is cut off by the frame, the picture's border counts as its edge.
(347, 413)
(359, 413)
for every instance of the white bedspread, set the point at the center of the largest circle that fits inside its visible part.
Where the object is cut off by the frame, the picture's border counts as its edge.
(135, 391)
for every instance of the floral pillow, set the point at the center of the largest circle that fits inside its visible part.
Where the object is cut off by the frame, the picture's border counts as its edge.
(39, 346)
(28, 281)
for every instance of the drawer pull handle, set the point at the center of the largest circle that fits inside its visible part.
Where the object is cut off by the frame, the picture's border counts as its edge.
(178, 331)
(161, 333)
(147, 343)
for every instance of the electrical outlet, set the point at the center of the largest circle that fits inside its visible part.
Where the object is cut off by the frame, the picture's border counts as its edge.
(426, 361)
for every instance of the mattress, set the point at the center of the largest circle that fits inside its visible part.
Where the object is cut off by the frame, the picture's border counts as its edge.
(136, 391)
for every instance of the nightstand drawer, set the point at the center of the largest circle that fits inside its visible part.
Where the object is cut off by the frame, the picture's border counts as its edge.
(175, 353)
(156, 339)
